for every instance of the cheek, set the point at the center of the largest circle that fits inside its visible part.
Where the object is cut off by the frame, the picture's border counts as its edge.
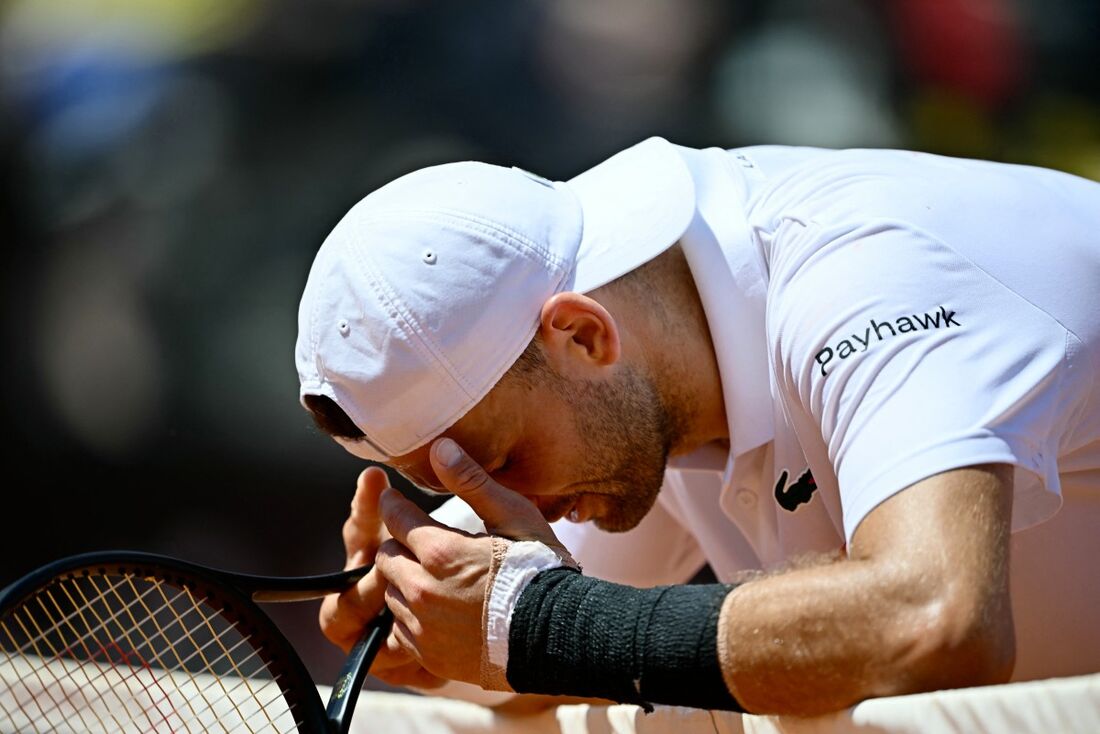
(522, 481)
(548, 454)
(531, 473)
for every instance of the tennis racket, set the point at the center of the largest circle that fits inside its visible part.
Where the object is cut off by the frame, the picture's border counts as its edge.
(134, 642)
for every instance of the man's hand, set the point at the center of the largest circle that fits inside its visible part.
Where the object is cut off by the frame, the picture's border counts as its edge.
(437, 575)
(343, 616)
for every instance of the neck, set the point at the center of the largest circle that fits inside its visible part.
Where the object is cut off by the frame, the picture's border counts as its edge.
(691, 384)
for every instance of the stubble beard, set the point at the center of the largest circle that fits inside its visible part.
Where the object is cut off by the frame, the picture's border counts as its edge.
(628, 433)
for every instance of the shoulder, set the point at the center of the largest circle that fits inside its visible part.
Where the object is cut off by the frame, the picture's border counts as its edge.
(909, 360)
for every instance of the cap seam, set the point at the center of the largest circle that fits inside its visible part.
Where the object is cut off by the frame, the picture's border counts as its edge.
(314, 338)
(449, 421)
(323, 382)
(395, 316)
(327, 389)
(368, 436)
(468, 218)
(429, 344)
(405, 323)
(445, 423)
(398, 312)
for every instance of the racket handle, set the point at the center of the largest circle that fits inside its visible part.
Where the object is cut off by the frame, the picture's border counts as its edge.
(346, 691)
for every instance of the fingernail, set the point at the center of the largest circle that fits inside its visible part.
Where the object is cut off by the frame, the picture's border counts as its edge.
(448, 452)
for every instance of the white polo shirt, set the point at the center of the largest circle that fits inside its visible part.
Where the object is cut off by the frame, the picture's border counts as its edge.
(880, 317)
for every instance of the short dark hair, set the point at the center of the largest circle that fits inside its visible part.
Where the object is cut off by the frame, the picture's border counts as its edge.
(531, 366)
(331, 418)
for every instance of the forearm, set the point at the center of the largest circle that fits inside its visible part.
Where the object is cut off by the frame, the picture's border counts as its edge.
(804, 642)
(922, 604)
(823, 638)
(574, 635)
(820, 639)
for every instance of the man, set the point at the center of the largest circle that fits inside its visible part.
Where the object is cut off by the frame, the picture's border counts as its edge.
(863, 384)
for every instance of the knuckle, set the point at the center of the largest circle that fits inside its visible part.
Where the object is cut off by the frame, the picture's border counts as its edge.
(333, 628)
(399, 677)
(350, 533)
(416, 595)
(387, 550)
(470, 476)
(392, 653)
(402, 635)
(434, 556)
(366, 597)
(395, 651)
(347, 608)
(330, 608)
(403, 518)
(416, 632)
(335, 636)
(326, 621)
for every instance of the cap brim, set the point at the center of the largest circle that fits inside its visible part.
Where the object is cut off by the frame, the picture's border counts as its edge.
(636, 204)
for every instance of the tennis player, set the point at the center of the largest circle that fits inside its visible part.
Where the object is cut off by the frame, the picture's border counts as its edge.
(863, 386)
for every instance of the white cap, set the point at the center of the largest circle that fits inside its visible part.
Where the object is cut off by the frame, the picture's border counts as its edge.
(430, 288)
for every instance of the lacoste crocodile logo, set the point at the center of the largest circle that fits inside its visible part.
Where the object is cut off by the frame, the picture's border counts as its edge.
(802, 491)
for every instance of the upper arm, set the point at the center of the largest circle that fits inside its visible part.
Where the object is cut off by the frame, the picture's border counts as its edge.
(948, 524)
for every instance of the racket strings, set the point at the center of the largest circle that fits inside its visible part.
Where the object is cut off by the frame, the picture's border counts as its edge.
(96, 629)
(37, 671)
(119, 652)
(104, 623)
(42, 640)
(252, 654)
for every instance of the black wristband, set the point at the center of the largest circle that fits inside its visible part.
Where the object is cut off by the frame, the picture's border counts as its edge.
(574, 635)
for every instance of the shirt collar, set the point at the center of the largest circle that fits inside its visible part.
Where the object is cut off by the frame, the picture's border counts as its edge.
(731, 277)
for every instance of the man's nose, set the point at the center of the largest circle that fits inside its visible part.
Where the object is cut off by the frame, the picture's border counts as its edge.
(540, 501)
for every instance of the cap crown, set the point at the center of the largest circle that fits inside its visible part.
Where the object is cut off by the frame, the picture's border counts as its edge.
(426, 292)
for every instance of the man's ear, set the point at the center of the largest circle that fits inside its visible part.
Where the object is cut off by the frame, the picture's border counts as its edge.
(578, 332)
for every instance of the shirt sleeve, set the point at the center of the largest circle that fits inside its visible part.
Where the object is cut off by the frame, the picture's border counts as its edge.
(907, 360)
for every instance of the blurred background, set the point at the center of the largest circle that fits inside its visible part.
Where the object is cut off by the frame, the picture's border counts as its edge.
(170, 167)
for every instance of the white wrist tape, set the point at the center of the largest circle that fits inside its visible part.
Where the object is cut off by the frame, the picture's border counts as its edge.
(515, 563)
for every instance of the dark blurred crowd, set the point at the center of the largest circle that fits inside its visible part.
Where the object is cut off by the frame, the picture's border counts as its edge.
(171, 167)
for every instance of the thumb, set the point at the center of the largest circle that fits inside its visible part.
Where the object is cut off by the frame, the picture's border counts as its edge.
(503, 511)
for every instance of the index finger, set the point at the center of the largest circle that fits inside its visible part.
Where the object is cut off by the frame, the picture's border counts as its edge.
(503, 511)
(408, 524)
(364, 524)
